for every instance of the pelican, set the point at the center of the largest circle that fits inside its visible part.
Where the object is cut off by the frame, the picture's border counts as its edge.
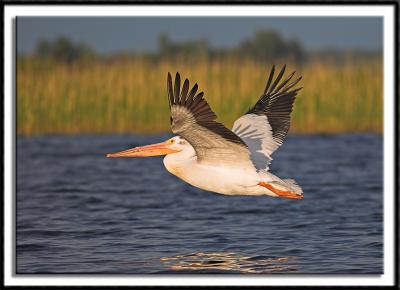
(207, 155)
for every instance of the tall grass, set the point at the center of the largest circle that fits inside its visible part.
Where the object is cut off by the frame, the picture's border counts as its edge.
(130, 95)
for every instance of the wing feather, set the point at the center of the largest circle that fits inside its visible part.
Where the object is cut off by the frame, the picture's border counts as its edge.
(264, 127)
(193, 119)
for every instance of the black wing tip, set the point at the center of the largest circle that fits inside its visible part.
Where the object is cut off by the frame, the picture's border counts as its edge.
(275, 89)
(177, 84)
(169, 80)
(177, 76)
(194, 101)
(282, 86)
(179, 93)
(298, 89)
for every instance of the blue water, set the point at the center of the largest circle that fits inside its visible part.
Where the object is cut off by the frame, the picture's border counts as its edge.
(79, 212)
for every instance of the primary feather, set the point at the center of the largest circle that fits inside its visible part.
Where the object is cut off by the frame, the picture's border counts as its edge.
(193, 119)
(264, 127)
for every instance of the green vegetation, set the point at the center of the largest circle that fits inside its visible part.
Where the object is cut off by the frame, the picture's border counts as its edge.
(66, 87)
(64, 50)
(262, 46)
(128, 94)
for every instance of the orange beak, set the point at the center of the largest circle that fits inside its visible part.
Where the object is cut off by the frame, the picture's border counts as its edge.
(145, 151)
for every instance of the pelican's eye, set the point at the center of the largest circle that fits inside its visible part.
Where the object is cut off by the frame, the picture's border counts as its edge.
(172, 141)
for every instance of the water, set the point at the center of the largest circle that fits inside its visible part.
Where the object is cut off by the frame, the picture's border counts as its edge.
(79, 212)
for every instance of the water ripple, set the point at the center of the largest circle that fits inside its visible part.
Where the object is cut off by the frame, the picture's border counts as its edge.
(79, 212)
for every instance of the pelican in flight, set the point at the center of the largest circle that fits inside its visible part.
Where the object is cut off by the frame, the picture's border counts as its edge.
(206, 154)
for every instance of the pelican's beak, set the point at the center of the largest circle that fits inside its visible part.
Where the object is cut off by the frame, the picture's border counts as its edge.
(145, 151)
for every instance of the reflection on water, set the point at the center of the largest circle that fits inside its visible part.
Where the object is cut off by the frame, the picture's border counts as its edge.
(227, 261)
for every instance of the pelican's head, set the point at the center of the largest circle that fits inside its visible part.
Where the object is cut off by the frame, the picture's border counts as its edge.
(174, 145)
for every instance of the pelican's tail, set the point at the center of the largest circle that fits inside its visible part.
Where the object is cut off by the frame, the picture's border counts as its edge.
(287, 188)
(292, 184)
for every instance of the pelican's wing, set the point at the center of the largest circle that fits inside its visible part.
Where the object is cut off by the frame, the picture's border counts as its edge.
(264, 127)
(193, 119)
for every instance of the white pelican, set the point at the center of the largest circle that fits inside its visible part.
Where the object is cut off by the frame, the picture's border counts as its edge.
(208, 155)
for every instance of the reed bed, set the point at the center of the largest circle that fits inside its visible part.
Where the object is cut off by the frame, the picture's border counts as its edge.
(129, 95)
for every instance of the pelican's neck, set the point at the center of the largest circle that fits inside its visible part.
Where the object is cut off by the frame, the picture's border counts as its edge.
(176, 162)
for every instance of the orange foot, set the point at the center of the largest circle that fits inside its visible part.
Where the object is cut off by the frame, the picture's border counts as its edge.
(280, 193)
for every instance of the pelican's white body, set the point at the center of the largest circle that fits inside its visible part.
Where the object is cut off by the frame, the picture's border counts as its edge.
(223, 179)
